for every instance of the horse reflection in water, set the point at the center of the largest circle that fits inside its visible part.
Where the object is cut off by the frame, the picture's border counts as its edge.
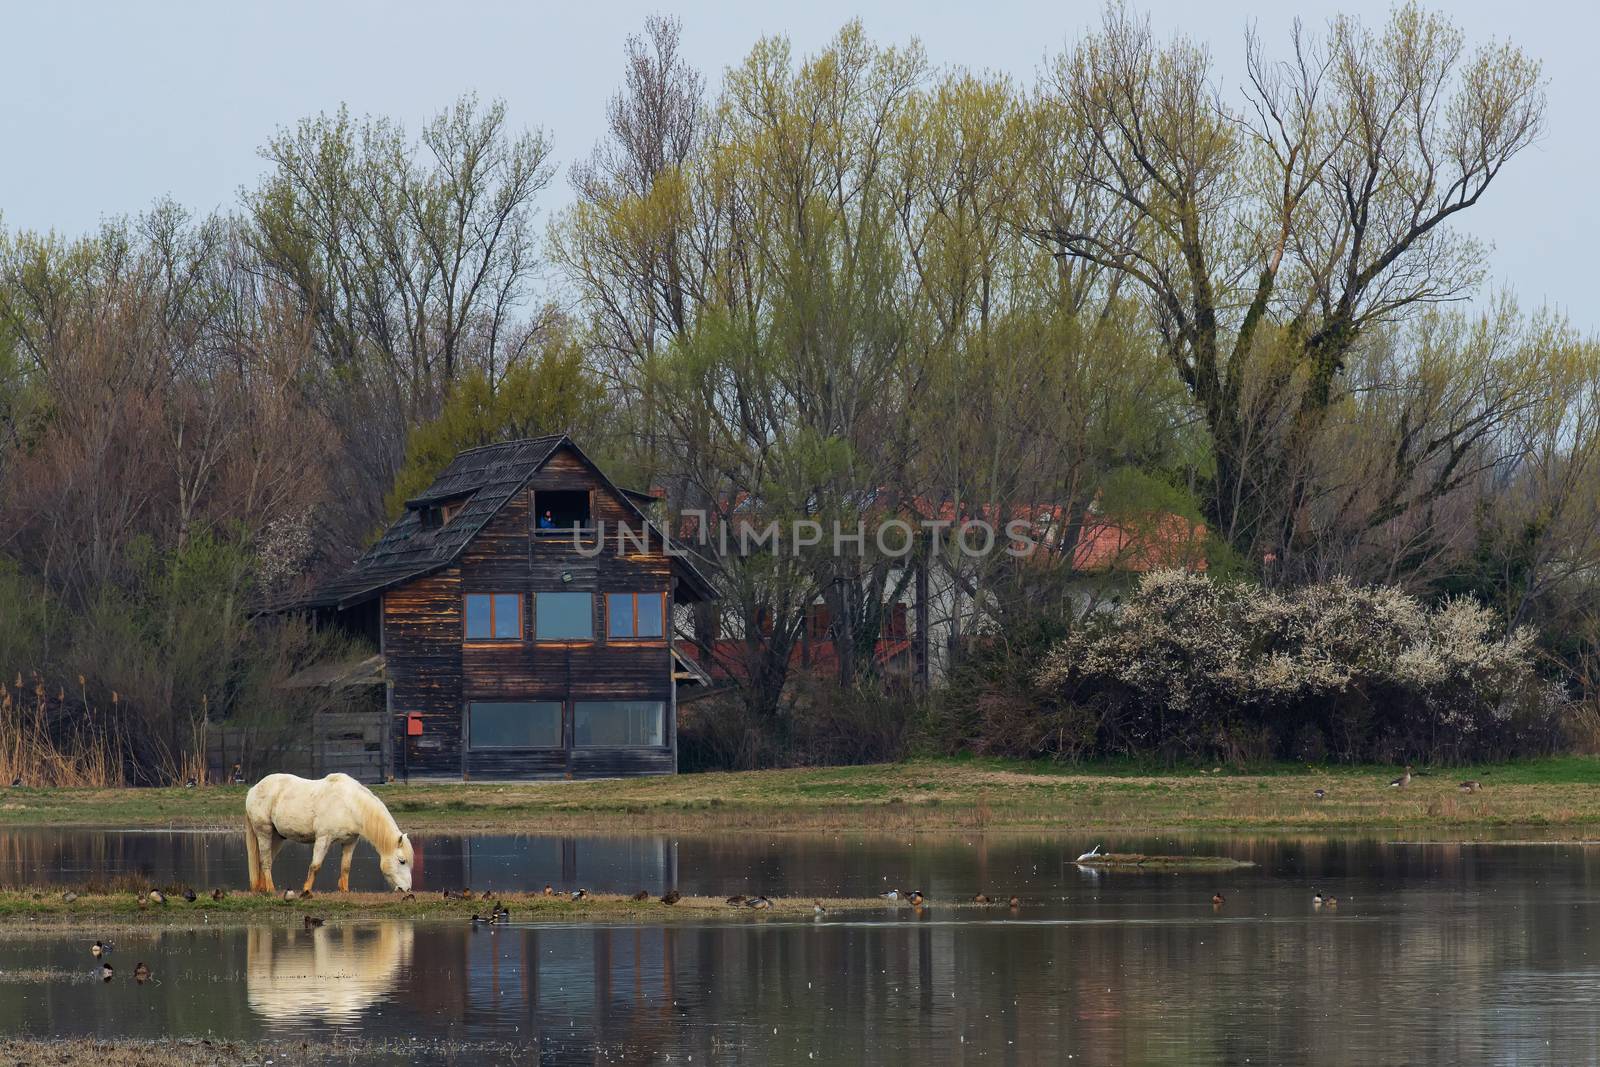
(329, 973)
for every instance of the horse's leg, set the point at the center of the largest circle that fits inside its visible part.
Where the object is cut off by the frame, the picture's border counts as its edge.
(267, 845)
(344, 864)
(319, 852)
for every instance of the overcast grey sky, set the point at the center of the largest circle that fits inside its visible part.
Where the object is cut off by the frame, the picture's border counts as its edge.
(106, 106)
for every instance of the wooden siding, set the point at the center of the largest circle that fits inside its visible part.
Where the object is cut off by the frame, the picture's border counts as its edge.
(436, 674)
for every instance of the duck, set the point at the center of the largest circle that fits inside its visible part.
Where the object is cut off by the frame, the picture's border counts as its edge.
(236, 776)
(141, 973)
(189, 895)
(1317, 899)
(1091, 854)
(671, 896)
(190, 784)
(1216, 900)
(106, 971)
(16, 783)
(1471, 785)
(893, 894)
(68, 897)
(642, 895)
(1320, 794)
(981, 898)
(157, 897)
(549, 890)
(486, 895)
(1402, 781)
(312, 921)
(218, 894)
(1330, 902)
(409, 898)
(479, 920)
(817, 908)
(915, 896)
(580, 894)
(502, 914)
(457, 894)
(290, 894)
(758, 903)
(1015, 902)
(100, 948)
(736, 900)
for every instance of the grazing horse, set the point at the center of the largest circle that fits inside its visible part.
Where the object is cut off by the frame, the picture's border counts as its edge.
(284, 807)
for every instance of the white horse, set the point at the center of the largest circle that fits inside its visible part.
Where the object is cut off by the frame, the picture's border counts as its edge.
(285, 807)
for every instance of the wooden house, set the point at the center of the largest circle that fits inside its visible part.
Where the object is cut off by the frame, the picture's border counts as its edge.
(523, 607)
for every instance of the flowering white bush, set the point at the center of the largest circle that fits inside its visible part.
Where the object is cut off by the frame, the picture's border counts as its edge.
(1190, 665)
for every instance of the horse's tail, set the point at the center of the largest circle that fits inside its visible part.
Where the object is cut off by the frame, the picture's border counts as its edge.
(252, 849)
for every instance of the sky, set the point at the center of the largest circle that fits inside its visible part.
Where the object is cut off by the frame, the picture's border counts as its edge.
(105, 107)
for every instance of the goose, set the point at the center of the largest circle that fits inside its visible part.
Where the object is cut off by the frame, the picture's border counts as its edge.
(106, 971)
(312, 921)
(100, 948)
(1402, 781)
(671, 896)
(580, 894)
(237, 776)
(1320, 794)
(1091, 854)
(642, 895)
(736, 900)
(893, 894)
(141, 973)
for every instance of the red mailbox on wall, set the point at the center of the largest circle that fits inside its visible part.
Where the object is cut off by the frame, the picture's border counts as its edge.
(414, 724)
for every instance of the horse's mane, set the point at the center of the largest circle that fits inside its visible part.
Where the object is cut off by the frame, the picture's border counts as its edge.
(377, 825)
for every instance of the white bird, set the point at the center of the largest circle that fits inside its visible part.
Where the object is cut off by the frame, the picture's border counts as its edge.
(1091, 854)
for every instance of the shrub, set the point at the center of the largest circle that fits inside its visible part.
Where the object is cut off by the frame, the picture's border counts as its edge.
(1190, 667)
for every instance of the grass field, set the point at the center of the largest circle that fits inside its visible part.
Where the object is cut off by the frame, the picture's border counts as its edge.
(922, 795)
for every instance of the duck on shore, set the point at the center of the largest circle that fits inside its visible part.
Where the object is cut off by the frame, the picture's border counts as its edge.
(1471, 785)
(1402, 781)
(671, 896)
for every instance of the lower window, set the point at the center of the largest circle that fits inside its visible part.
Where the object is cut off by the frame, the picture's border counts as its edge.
(514, 724)
(619, 723)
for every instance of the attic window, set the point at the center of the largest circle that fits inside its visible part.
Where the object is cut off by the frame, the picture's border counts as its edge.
(430, 518)
(560, 510)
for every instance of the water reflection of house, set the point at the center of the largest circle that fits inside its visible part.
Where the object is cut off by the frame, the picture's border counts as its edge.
(327, 974)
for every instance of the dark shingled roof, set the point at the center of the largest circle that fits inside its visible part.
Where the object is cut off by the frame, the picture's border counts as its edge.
(483, 480)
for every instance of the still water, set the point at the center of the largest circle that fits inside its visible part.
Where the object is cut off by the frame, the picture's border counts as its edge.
(1437, 953)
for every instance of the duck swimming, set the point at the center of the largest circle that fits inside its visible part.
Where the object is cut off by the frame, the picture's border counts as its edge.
(1317, 899)
(817, 908)
(106, 972)
(312, 921)
(100, 948)
(1015, 902)
(141, 973)
(1216, 900)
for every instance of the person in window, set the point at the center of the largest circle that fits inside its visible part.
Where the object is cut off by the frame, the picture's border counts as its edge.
(547, 521)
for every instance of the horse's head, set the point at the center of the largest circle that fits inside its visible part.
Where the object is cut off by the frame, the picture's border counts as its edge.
(395, 863)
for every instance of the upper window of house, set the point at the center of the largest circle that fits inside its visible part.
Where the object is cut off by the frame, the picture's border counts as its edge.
(635, 615)
(561, 510)
(493, 616)
(564, 617)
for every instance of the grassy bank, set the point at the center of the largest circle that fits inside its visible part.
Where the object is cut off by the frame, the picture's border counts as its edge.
(922, 795)
(200, 1052)
(30, 907)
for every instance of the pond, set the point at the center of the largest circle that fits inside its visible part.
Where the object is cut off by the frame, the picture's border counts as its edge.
(1438, 952)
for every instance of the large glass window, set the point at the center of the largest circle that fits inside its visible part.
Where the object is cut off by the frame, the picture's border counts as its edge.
(514, 724)
(635, 615)
(618, 723)
(564, 617)
(494, 616)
